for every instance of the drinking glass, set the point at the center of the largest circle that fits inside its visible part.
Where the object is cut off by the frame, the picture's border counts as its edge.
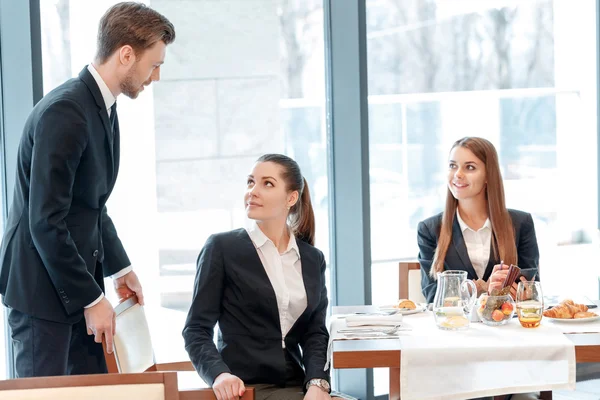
(530, 304)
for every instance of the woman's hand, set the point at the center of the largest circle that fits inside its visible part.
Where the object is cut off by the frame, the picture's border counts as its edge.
(499, 274)
(513, 290)
(481, 285)
(316, 393)
(228, 387)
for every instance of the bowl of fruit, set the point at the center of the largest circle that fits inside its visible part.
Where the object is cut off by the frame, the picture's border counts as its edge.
(495, 310)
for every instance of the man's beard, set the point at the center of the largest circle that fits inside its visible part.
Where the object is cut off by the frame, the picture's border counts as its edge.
(128, 87)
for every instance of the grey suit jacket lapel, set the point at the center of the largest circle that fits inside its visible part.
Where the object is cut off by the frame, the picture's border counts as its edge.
(492, 261)
(246, 246)
(461, 248)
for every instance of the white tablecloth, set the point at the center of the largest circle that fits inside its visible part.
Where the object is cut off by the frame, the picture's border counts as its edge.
(481, 361)
(373, 320)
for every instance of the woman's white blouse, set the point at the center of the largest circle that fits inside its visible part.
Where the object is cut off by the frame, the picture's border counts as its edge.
(478, 244)
(285, 273)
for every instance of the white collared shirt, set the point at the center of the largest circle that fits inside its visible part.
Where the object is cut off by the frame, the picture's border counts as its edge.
(285, 273)
(478, 244)
(109, 98)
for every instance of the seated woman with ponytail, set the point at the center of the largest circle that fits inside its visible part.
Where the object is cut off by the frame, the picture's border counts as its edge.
(265, 287)
(476, 232)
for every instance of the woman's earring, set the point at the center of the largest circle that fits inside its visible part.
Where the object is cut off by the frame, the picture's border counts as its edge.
(288, 207)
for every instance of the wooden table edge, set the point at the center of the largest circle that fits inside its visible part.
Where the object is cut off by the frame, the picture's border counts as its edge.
(347, 359)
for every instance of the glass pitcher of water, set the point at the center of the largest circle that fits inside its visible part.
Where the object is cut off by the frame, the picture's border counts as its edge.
(453, 303)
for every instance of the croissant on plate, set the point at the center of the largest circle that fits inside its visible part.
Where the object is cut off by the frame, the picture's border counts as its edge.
(405, 303)
(565, 310)
(560, 311)
(578, 307)
(584, 314)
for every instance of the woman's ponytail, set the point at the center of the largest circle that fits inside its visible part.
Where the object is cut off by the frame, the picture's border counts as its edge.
(303, 217)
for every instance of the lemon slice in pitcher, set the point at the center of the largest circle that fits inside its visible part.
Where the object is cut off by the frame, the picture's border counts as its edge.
(455, 322)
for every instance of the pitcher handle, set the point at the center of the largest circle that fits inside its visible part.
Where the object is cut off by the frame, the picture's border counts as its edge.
(473, 298)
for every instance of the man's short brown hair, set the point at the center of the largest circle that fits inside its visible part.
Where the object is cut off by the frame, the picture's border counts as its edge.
(133, 24)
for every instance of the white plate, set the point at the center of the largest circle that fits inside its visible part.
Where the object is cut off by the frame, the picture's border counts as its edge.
(572, 321)
(404, 311)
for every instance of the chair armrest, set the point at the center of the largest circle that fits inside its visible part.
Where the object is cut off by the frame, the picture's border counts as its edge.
(175, 366)
(208, 394)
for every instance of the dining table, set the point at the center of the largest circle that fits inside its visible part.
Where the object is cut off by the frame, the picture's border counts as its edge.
(386, 353)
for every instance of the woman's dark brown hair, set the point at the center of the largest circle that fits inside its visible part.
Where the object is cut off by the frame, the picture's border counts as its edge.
(133, 24)
(503, 235)
(302, 217)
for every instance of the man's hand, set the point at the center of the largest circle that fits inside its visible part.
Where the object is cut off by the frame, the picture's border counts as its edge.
(100, 320)
(228, 387)
(316, 393)
(128, 285)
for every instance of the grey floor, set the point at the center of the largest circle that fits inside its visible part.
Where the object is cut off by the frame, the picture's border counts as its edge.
(588, 390)
(588, 384)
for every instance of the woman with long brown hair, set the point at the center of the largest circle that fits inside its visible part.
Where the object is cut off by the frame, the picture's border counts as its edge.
(265, 286)
(476, 232)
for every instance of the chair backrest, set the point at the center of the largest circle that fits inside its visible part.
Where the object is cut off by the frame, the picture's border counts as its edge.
(148, 386)
(132, 342)
(134, 353)
(410, 281)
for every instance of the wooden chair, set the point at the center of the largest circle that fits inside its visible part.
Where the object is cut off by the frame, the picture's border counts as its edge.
(152, 386)
(133, 351)
(409, 281)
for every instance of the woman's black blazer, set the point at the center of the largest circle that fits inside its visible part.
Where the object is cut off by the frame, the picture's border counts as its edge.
(457, 257)
(233, 289)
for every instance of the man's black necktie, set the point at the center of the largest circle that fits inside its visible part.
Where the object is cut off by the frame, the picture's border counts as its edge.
(113, 117)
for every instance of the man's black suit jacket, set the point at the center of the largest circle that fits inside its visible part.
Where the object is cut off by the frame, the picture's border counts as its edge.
(457, 257)
(233, 289)
(59, 241)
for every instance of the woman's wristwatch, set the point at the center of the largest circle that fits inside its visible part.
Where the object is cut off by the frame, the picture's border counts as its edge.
(320, 383)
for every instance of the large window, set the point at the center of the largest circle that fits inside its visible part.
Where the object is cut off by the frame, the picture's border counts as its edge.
(242, 79)
(3, 342)
(3, 359)
(521, 74)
